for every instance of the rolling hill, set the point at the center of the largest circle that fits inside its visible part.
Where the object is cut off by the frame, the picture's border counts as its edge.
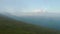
(12, 26)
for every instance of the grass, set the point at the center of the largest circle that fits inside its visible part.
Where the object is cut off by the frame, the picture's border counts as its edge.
(11, 26)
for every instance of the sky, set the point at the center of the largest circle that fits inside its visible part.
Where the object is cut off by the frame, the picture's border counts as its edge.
(25, 7)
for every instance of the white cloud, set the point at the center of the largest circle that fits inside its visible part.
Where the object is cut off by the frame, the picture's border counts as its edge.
(22, 11)
(32, 12)
(37, 11)
(9, 10)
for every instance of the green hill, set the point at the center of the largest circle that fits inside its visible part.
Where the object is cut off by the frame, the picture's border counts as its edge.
(11, 26)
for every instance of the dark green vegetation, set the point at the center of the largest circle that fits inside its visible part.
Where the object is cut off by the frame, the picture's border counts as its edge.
(11, 26)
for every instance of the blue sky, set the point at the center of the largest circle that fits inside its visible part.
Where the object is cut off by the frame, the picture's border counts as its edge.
(18, 6)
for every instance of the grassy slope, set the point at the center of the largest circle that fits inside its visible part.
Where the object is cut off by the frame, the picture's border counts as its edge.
(11, 26)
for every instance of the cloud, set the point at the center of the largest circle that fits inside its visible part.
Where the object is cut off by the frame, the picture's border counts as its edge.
(32, 12)
(37, 11)
(7, 9)
(21, 11)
